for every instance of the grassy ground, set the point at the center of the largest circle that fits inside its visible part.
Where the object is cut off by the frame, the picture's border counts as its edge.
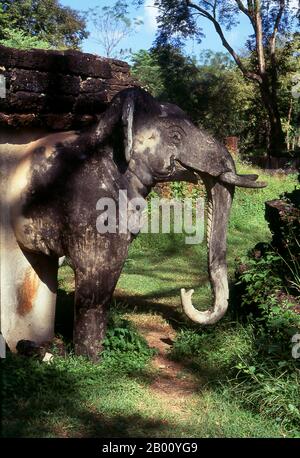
(135, 393)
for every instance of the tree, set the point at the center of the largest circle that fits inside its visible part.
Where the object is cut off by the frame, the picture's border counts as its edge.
(269, 19)
(4, 22)
(18, 39)
(111, 26)
(47, 20)
(146, 69)
(289, 99)
(214, 94)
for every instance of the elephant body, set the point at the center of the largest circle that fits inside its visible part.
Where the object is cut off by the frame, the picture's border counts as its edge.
(52, 209)
(58, 217)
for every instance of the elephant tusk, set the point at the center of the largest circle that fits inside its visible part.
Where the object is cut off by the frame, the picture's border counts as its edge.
(252, 177)
(245, 181)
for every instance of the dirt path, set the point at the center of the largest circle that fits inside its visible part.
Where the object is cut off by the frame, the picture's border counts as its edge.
(173, 385)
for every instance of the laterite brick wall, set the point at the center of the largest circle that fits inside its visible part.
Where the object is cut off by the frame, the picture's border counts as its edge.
(57, 90)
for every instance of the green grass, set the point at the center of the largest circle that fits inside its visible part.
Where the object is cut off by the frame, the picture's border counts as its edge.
(74, 398)
(71, 397)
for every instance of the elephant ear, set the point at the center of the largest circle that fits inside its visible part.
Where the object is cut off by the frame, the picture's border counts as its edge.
(127, 122)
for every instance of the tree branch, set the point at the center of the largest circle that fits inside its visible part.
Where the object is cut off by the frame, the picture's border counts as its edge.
(250, 6)
(248, 74)
(259, 39)
(273, 45)
(215, 8)
(276, 26)
(245, 10)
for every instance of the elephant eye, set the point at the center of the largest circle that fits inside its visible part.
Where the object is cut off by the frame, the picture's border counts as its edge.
(176, 135)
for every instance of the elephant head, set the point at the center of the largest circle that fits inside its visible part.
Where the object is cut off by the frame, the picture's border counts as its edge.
(162, 144)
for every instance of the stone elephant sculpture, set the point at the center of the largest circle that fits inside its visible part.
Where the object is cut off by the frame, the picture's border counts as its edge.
(51, 207)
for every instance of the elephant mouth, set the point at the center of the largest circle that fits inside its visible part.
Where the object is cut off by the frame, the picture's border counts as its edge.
(169, 174)
(184, 173)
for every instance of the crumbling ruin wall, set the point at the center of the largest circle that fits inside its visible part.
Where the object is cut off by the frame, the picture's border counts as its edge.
(57, 90)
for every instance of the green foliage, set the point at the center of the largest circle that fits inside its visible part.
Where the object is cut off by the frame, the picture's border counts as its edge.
(178, 190)
(20, 40)
(273, 390)
(214, 94)
(124, 346)
(215, 350)
(181, 20)
(289, 69)
(269, 380)
(71, 397)
(147, 70)
(270, 285)
(47, 20)
(231, 358)
(264, 284)
(250, 361)
(4, 21)
(171, 76)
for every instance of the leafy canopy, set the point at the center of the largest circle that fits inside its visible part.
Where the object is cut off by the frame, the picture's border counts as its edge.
(48, 20)
(19, 40)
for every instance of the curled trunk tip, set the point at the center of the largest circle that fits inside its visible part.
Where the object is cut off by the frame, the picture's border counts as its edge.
(206, 317)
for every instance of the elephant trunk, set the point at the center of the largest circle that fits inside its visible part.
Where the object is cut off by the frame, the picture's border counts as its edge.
(220, 197)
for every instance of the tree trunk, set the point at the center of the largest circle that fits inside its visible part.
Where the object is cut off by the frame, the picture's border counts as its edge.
(288, 133)
(277, 138)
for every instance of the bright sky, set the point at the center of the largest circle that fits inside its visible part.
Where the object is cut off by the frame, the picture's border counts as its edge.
(143, 39)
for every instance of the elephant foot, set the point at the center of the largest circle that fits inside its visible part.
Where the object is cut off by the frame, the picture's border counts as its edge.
(89, 333)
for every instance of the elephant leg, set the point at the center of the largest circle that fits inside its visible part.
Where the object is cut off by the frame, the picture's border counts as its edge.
(92, 297)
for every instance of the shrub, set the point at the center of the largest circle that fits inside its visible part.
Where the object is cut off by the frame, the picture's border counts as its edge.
(124, 346)
(268, 291)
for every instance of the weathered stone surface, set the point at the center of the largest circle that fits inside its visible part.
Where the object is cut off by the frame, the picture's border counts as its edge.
(18, 120)
(284, 222)
(91, 102)
(58, 89)
(57, 121)
(19, 102)
(61, 103)
(70, 62)
(26, 80)
(92, 85)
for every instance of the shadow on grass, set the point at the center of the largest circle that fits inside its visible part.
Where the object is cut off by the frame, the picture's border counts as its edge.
(46, 400)
(146, 304)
